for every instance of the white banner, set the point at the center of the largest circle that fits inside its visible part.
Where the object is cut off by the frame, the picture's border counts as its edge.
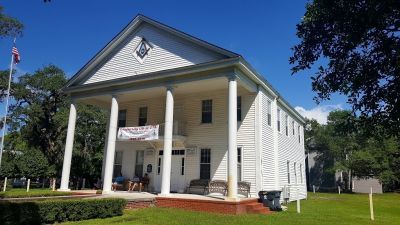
(143, 133)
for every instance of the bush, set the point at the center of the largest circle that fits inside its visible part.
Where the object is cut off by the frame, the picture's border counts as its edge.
(51, 211)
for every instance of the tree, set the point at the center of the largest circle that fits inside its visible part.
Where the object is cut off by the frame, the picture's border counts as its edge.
(9, 27)
(33, 164)
(357, 44)
(38, 118)
(343, 145)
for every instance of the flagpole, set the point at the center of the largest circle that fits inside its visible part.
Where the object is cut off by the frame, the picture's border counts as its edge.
(6, 108)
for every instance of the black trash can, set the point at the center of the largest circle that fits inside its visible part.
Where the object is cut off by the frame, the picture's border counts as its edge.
(271, 199)
(263, 198)
(277, 200)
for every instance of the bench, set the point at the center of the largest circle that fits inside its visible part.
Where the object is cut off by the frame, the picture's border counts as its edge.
(244, 188)
(217, 186)
(197, 186)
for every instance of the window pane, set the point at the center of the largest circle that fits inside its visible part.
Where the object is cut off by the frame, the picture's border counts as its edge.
(278, 114)
(204, 171)
(122, 118)
(269, 113)
(205, 156)
(142, 116)
(239, 108)
(118, 158)
(117, 170)
(206, 111)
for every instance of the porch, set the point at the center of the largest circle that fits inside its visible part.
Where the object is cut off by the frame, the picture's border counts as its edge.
(176, 109)
(191, 202)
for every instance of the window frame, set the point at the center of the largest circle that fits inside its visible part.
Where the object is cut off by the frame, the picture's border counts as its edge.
(269, 113)
(122, 122)
(298, 131)
(239, 108)
(201, 173)
(278, 119)
(293, 128)
(143, 118)
(206, 110)
(286, 124)
(288, 171)
(119, 164)
(240, 163)
(295, 172)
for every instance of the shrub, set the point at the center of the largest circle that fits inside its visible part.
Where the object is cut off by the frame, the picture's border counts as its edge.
(51, 211)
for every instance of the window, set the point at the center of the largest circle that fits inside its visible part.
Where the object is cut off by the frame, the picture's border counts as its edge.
(139, 163)
(117, 164)
(287, 125)
(298, 132)
(288, 171)
(295, 173)
(206, 111)
(239, 108)
(293, 127)
(159, 166)
(142, 116)
(269, 112)
(122, 118)
(301, 173)
(205, 166)
(278, 115)
(183, 166)
(239, 163)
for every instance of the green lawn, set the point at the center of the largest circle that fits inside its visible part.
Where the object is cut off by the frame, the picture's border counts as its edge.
(21, 193)
(318, 209)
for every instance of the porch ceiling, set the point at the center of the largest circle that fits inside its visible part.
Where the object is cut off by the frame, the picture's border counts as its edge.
(193, 87)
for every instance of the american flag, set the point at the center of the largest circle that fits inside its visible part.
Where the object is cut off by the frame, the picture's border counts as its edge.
(15, 53)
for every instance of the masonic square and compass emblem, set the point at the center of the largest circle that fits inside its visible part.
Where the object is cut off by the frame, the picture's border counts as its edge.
(142, 50)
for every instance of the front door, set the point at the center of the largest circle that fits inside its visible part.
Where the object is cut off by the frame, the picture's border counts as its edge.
(177, 183)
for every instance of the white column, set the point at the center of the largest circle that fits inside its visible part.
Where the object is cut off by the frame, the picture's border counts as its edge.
(232, 145)
(166, 165)
(105, 148)
(274, 109)
(112, 135)
(69, 143)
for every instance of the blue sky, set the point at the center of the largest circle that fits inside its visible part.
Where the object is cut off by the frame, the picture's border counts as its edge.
(69, 33)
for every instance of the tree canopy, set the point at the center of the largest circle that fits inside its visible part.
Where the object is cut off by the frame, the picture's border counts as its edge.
(38, 117)
(343, 145)
(9, 27)
(357, 45)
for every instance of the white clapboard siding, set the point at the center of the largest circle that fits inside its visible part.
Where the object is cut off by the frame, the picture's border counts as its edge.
(246, 140)
(291, 150)
(267, 146)
(168, 52)
(213, 136)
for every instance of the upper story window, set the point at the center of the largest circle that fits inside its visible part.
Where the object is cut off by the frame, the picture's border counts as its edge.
(239, 108)
(206, 111)
(298, 132)
(142, 116)
(269, 112)
(287, 125)
(278, 115)
(293, 127)
(295, 172)
(122, 118)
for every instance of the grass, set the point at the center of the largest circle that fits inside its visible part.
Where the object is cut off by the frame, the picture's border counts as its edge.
(21, 193)
(320, 208)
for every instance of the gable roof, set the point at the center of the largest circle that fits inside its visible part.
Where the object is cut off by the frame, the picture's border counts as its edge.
(134, 24)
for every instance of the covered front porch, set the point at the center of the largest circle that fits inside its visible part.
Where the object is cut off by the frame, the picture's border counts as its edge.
(183, 138)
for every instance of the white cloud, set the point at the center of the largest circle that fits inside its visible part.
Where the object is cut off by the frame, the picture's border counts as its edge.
(320, 113)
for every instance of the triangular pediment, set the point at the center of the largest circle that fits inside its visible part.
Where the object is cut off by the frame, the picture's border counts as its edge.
(146, 46)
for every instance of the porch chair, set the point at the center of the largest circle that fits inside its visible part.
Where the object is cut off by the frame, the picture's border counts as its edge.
(244, 188)
(217, 186)
(197, 186)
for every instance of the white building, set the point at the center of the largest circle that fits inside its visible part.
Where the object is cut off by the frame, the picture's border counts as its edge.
(219, 119)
